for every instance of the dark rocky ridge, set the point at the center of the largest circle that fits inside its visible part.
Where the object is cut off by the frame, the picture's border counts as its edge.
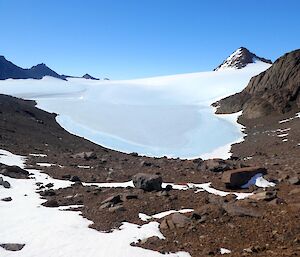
(8, 70)
(240, 59)
(275, 90)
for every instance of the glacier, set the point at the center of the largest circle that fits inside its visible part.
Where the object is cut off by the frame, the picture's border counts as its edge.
(160, 116)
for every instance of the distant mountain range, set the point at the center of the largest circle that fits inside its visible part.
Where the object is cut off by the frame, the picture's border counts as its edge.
(240, 59)
(9, 70)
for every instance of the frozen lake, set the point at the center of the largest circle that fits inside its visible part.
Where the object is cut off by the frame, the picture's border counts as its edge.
(159, 116)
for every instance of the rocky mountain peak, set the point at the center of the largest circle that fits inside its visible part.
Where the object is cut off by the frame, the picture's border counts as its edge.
(240, 58)
(275, 90)
(88, 76)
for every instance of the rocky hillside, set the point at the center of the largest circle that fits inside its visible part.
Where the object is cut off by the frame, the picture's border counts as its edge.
(8, 70)
(275, 90)
(240, 59)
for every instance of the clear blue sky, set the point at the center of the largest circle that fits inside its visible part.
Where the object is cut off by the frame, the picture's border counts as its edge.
(140, 38)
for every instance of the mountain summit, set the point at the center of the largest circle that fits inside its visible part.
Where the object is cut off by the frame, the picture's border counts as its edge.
(276, 89)
(8, 70)
(240, 59)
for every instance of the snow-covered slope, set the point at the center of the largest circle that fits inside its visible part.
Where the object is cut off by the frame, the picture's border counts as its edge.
(169, 115)
(240, 59)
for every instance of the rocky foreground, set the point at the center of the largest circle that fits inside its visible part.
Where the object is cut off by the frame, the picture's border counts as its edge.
(265, 223)
(265, 226)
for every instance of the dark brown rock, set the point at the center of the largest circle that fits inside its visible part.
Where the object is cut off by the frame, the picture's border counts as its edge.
(265, 196)
(115, 199)
(51, 203)
(117, 208)
(274, 90)
(235, 210)
(12, 247)
(239, 177)
(6, 199)
(147, 182)
(85, 155)
(175, 220)
(294, 180)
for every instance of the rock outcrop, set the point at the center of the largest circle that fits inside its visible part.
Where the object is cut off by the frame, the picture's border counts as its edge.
(275, 90)
(239, 177)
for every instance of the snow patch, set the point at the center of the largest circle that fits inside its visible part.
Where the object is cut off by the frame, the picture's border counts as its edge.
(259, 181)
(38, 155)
(45, 164)
(224, 251)
(145, 217)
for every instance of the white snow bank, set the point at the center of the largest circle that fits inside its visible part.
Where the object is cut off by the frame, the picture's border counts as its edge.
(169, 115)
(52, 232)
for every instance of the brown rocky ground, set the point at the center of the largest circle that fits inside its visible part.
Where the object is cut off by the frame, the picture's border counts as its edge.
(263, 227)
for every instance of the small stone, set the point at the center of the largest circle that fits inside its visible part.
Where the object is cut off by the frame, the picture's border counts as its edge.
(115, 199)
(294, 180)
(162, 193)
(12, 247)
(74, 179)
(51, 203)
(49, 185)
(6, 199)
(6, 184)
(128, 196)
(169, 187)
(117, 208)
(48, 193)
(265, 195)
(105, 206)
(67, 176)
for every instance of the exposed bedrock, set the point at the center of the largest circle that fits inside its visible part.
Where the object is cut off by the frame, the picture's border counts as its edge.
(275, 90)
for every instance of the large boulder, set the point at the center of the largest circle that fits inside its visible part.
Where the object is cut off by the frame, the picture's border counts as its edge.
(147, 182)
(239, 177)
